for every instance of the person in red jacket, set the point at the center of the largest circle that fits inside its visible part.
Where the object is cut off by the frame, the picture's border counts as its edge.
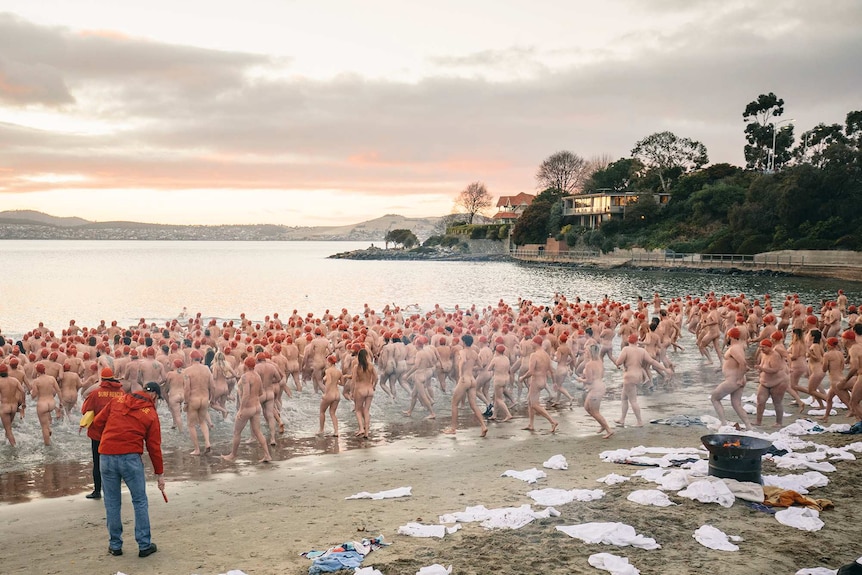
(126, 424)
(108, 389)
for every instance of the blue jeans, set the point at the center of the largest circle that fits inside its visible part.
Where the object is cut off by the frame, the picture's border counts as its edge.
(128, 468)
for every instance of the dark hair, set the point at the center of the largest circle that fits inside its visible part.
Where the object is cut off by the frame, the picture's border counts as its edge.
(363, 359)
(816, 335)
(467, 339)
(858, 328)
(208, 358)
(92, 341)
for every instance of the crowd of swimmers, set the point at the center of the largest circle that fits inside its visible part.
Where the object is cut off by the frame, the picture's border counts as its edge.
(486, 358)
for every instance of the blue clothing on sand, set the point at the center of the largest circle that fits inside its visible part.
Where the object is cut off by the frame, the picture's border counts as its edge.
(335, 561)
(128, 467)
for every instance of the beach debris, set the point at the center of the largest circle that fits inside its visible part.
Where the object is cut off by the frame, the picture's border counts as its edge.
(419, 530)
(671, 457)
(528, 475)
(552, 496)
(556, 462)
(798, 483)
(614, 563)
(679, 421)
(435, 569)
(390, 494)
(348, 555)
(609, 534)
(707, 491)
(714, 538)
(500, 518)
(367, 571)
(817, 571)
(613, 479)
(801, 518)
(650, 497)
(795, 460)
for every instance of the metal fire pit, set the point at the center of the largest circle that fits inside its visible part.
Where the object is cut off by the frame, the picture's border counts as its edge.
(735, 456)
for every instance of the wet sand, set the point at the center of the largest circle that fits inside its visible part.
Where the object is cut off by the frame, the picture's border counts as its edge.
(260, 518)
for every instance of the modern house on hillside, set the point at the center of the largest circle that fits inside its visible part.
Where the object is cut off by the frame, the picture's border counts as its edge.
(510, 208)
(592, 210)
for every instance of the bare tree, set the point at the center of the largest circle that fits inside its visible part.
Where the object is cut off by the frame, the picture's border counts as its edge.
(600, 162)
(473, 199)
(564, 171)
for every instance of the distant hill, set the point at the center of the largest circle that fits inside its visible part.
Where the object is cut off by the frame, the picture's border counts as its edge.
(28, 224)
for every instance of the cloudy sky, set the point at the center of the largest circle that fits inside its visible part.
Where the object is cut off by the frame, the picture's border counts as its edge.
(304, 112)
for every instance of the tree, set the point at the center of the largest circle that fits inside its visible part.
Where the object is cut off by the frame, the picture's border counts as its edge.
(445, 221)
(533, 225)
(616, 176)
(406, 238)
(665, 153)
(564, 171)
(815, 141)
(473, 199)
(759, 117)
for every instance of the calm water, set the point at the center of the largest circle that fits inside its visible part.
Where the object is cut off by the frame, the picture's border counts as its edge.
(55, 281)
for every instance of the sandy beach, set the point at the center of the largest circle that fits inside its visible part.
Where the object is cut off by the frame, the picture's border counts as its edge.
(259, 519)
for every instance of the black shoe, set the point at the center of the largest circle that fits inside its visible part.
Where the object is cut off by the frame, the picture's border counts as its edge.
(115, 552)
(148, 551)
(94, 495)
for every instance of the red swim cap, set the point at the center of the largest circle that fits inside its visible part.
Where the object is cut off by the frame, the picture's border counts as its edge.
(501, 349)
(832, 341)
(734, 333)
(777, 335)
(849, 334)
(766, 343)
(249, 362)
(633, 338)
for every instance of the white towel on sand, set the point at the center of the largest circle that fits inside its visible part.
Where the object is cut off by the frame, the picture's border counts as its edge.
(435, 569)
(501, 518)
(528, 475)
(420, 530)
(390, 494)
(707, 491)
(609, 534)
(556, 462)
(713, 538)
(799, 483)
(615, 564)
(613, 479)
(552, 496)
(650, 497)
(801, 518)
(817, 571)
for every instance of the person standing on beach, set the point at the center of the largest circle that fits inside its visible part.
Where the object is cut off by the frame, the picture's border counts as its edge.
(174, 384)
(126, 425)
(594, 385)
(774, 379)
(248, 392)
(364, 379)
(332, 379)
(501, 370)
(634, 360)
(43, 389)
(197, 388)
(425, 358)
(108, 390)
(10, 388)
(466, 366)
(538, 372)
(734, 368)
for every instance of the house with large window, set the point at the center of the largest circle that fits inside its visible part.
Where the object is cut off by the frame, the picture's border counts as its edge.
(592, 210)
(510, 208)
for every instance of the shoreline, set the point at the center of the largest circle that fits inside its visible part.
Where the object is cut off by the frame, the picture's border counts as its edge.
(209, 527)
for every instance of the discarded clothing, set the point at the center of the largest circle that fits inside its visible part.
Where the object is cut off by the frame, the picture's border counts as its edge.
(650, 497)
(778, 497)
(556, 462)
(615, 564)
(552, 496)
(390, 494)
(796, 460)
(799, 483)
(801, 518)
(760, 507)
(612, 479)
(419, 530)
(817, 571)
(345, 556)
(713, 538)
(707, 491)
(609, 534)
(501, 518)
(435, 569)
(745, 490)
(855, 429)
(528, 475)
(367, 571)
(679, 421)
(637, 456)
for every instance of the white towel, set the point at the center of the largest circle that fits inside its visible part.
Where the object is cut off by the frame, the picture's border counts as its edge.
(528, 475)
(420, 530)
(501, 518)
(552, 496)
(707, 491)
(556, 462)
(609, 534)
(798, 483)
(392, 493)
(435, 569)
(817, 571)
(612, 479)
(615, 564)
(367, 571)
(709, 536)
(800, 518)
(650, 497)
